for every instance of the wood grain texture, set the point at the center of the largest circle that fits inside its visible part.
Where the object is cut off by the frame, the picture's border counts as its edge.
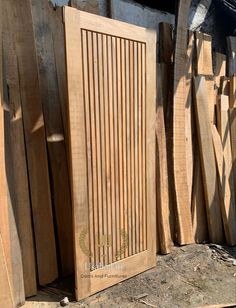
(18, 175)
(232, 123)
(227, 195)
(50, 98)
(9, 242)
(219, 60)
(183, 211)
(99, 66)
(22, 29)
(203, 43)
(5, 288)
(163, 204)
(208, 165)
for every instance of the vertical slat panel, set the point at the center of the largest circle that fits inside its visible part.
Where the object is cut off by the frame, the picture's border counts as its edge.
(98, 145)
(128, 143)
(120, 134)
(112, 144)
(103, 235)
(93, 145)
(108, 147)
(136, 133)
(88, 139)
(144, 144)
(140, 153)
(132, 132)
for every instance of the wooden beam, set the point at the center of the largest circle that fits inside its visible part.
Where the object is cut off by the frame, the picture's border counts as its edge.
(208, 164)
(227, 196)
(182, 201)
(203, 43)
(232, 92)
(21, 22)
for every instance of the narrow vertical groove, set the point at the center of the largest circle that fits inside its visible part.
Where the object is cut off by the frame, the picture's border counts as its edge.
(115, 117)
(127, 51)
(124, 126)
(140, 156)
(112, 154)
(98, 144)
(132, 132)
(144, 144)
(108, 149)
(88, 138)
(136, 203)
(94, 148)
(103, 147)
(120, 143)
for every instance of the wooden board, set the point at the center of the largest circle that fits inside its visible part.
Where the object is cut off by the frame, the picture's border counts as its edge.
(166, 43)
(9, 241)
(198, 208)
(21, 21)
(164, 214)
(228, 210)
(208, 165)
(112, 136)
(219, 66)
(232, 120)
(43, 14)
(183, 208)
(6, 299)
(189, 114)
(231, 51)
(17, 172)
(232, 92)
(212, 98)
(203, 43)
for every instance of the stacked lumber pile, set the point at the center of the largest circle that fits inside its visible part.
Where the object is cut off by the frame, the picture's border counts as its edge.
(207, 122)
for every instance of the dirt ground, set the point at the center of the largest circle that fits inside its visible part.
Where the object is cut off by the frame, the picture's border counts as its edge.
(191, 276)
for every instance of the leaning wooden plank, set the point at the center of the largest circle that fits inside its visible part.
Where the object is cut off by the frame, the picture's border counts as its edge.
(163, 204)
(19, 188)
(6, 299)
(179, 151)
(208, 165)
(228, 210)
(212, 97)
(9, 236)
(231, 52)
(49, 93)
(189, 114)
(203, 54)
(199, 218)
(232, 92)
(21, 22)
(166, 43)
(219, 66)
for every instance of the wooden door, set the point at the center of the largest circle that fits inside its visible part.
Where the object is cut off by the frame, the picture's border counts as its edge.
(111, 70)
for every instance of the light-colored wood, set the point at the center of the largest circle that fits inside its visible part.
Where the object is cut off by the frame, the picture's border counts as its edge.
(199, 217)
(162, 188)
(219, 66)
(183, 211)
(166, 43)
(203, 43)
(21, 20)
(41, 11)
(212, 97)
(18, 175)
(86, 79)
(228, 202)
(232, 92)
(231, 51)
(6, 299)
(189, 114)
(208, 165)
